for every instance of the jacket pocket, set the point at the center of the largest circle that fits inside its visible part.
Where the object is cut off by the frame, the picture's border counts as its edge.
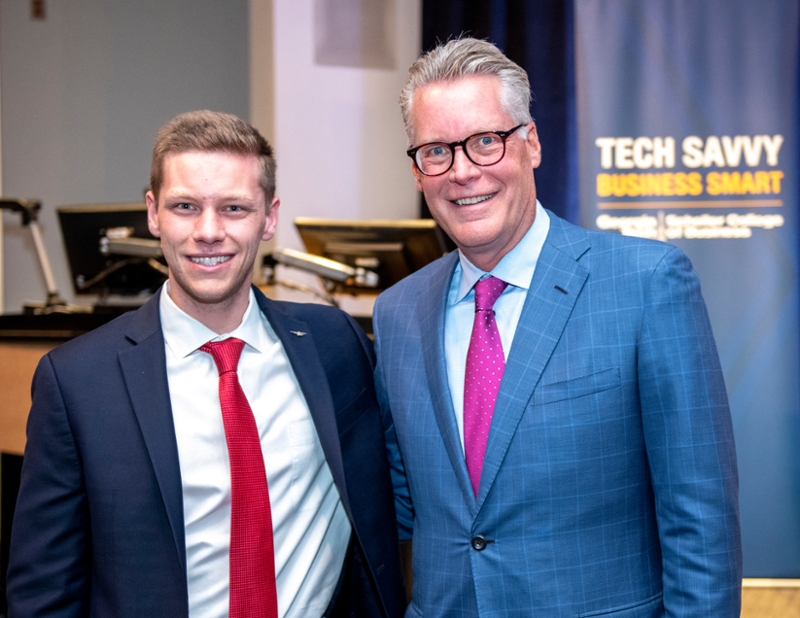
(649, 608)
(579, 387)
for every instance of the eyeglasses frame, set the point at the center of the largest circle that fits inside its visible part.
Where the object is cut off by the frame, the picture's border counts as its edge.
(504, 135)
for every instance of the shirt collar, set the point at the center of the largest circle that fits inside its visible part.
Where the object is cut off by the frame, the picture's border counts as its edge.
(517, 266)
(183, 334)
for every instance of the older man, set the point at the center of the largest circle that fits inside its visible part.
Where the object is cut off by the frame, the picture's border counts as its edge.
(565, 443)
(214, 453)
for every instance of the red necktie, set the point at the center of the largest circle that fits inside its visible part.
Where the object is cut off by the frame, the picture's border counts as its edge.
(252, 557)
(484, 371)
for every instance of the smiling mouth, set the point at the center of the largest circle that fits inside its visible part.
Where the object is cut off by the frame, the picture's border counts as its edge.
(210, 261)
(469, 201)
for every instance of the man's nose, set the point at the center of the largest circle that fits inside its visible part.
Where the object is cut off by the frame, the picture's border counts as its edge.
(209, 226)
(463, 170)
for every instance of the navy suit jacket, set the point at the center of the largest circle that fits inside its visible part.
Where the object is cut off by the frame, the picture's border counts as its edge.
(609, 486)
(99, 528)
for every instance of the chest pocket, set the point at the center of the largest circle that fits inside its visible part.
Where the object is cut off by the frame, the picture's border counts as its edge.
(576, 388)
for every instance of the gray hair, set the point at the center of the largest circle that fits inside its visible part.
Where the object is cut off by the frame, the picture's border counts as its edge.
(463, 57)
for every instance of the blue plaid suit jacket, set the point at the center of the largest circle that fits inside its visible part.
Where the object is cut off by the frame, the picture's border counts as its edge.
(610, 485)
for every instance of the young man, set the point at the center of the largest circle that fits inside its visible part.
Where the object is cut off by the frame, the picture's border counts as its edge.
(213, 453)
(556, 393)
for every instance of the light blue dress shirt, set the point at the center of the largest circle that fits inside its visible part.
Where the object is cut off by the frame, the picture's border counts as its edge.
(516, 268)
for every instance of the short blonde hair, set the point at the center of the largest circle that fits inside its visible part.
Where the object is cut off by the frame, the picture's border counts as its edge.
(209, 131)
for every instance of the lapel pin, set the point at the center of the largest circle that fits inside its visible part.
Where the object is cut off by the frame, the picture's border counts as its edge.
(298, 333)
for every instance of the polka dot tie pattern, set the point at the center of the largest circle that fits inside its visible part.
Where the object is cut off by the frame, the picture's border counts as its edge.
(252, 556)
(484, 371)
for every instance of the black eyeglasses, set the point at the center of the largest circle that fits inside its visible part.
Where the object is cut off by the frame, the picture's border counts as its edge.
(483, 149)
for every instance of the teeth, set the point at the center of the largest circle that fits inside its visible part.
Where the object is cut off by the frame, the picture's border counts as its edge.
(467, 201)
(211, 261)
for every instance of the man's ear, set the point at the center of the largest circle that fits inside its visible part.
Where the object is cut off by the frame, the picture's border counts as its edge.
(533, 145)
(152, 214)
(271, 222)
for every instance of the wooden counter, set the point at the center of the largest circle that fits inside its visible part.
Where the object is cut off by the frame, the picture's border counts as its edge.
(24, 339)
(18, 360)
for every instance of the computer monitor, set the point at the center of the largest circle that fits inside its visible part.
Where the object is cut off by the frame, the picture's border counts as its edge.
(391, 249)
(84, 226)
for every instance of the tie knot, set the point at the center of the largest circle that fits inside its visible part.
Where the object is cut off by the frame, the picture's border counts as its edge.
(487, 291)
(225, 353)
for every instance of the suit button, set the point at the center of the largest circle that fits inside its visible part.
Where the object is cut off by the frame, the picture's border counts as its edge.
(478, 543)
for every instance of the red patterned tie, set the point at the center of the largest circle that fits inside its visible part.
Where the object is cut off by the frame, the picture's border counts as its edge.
(484, 371)
(252, 561)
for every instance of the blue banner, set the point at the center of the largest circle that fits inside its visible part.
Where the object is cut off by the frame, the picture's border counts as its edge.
(688, 133)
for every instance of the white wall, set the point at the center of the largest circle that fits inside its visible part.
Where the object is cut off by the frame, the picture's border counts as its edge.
(338, 133)
(84, 92)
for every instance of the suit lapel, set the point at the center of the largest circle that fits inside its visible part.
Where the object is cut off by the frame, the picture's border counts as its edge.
(432, 317)
(144, 367)
(313, 381)
(554, 290)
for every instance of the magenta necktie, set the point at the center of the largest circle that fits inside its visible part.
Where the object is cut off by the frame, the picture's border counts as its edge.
(252, 556)
(485, 365)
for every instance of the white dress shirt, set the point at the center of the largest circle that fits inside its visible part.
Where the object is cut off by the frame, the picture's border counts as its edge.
(515, 268)
(310, 528)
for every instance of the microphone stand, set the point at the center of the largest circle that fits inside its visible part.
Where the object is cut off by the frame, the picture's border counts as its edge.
(29, 211)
